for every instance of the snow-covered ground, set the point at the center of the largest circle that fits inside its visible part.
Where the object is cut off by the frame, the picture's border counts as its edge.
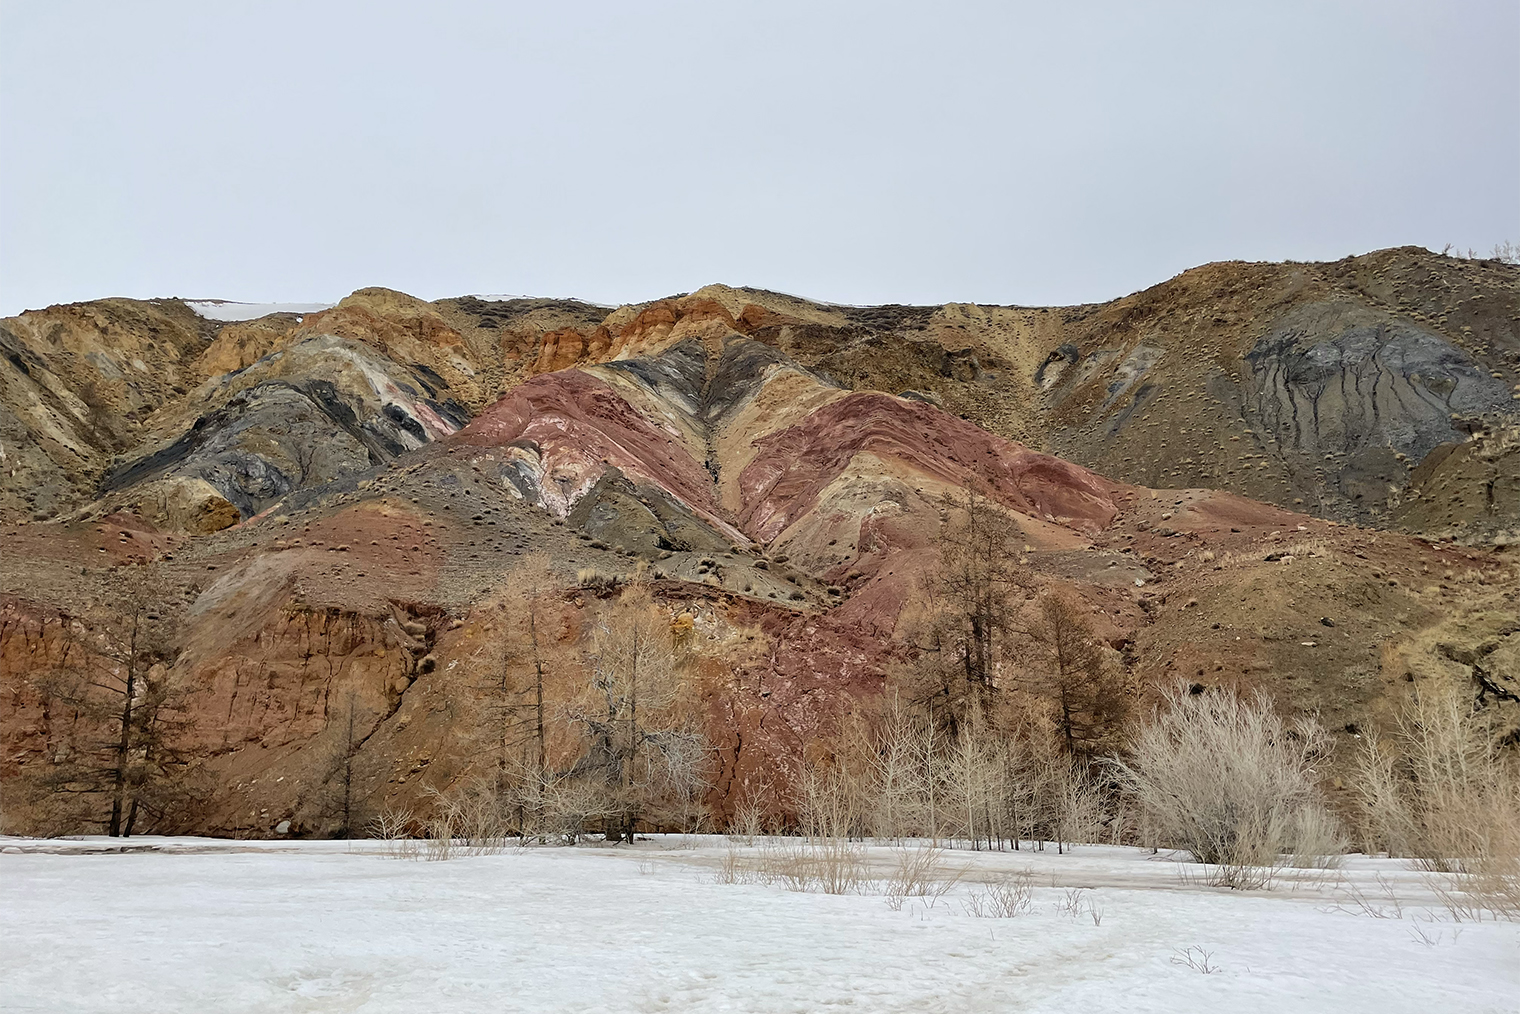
(200, 925)
(226, 310)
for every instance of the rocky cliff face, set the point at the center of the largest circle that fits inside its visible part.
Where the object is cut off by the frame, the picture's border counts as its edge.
(348, 494)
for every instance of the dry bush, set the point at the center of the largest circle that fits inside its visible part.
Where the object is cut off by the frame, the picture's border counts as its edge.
(829, 802)
(732, 869)
(827, 866)
(570, 806)
(1073, 901)
(1385, 904)
(894, 776)
(594, 580)
(1008, 896)
(396, 828)
(1196, 958)
(1228, 781)
(898, 770)
(1075, 802)
(438, 841)
(748, 819)
(1319, 840)
(1077, 902)
(1442, 789)
(475, 815)
(836, 866)
(919, 873)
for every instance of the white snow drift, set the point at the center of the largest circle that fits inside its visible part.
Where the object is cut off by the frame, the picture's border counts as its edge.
(197, 925)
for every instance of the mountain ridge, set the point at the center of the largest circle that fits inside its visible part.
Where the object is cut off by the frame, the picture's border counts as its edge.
(346, 496)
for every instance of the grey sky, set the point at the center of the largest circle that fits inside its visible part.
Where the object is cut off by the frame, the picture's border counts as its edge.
(860, 152)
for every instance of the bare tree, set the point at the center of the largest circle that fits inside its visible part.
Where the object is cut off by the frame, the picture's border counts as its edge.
(1444, 788)
(967, 637)
(511, 668)
(117, 677)
(1068, 668)
(638, 748)
(336, 804)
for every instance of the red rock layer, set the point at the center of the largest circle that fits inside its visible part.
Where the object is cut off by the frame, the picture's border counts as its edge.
(784, 480)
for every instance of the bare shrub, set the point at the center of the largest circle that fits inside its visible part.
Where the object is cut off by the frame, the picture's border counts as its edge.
(438, 842)
(827, 866)
(391, 824)
(475, 815)
(748, 820)
(838, 867)
(1004, 898)
(570, 806)
(1443, 790)
(1383, 905)
(899, 767)
(1077, 902)
(395, 827)
(919, 873)
(1074, 803)
(829, 802)
(1073, 902)
(1228, 781)
(1319, 840)
(1196, 958)
(731, 868)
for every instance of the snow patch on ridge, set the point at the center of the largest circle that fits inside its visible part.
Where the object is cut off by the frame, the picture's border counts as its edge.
(228, 310)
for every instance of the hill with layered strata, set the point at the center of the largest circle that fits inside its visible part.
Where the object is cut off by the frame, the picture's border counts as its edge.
(1295, 477)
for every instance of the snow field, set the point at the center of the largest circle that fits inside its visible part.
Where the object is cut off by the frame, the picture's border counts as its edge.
(201, 925)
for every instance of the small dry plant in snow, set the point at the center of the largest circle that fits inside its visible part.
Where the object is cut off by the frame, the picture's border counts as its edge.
(1196, 958)
(827, 866)
(1077, 902)
(1384, 904)
(823, 865)
(394, 827)
(1009, 895)
(734, 869)
(918, 873)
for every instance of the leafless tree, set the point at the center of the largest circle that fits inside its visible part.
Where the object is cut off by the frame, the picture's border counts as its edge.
(1068, 668)
(117, 678)
(337, 804)
(637, 746)
(510, 671)
(971, 628)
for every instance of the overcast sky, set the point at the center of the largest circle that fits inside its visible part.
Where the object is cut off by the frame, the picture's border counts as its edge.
(1031, 153)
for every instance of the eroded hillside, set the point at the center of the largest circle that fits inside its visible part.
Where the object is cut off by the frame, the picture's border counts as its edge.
(346, 500)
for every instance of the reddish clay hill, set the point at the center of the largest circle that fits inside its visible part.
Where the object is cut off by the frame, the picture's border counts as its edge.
(349, 505)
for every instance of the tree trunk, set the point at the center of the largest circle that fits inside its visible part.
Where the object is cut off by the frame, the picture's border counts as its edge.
(123, 748)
